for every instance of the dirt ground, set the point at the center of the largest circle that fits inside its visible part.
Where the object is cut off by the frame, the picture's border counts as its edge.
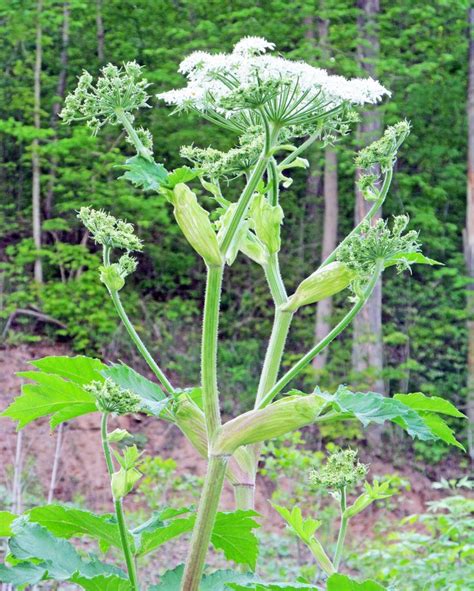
(82, 469)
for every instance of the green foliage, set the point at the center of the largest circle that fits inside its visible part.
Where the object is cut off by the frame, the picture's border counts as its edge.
(216, 581)
(144, 174)
(344, 583)
(434, 546)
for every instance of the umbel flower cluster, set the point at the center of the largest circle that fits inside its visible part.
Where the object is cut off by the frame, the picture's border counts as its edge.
(111, 398)
(229, 88)
(342, 470)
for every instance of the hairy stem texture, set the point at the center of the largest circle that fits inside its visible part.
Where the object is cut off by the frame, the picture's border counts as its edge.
(204, 522)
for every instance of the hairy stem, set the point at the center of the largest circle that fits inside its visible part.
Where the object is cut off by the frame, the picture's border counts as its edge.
(306, 359)
(342, 531)
(127, 553)
(204, 522)
(140, 345)
(210, 392)
(132, 134)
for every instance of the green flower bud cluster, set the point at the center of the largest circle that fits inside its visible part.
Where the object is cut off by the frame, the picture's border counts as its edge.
(379, 243)
(109, 231)
(342, 469)
(117, 91)
(111, 398)
(216, 164)
(384, 150)
(113, 275)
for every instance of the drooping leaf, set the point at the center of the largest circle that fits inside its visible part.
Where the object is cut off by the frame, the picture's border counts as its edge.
(102, 583)
(66, 522)
(153, 397)
(233, 534)
(23, 573)
(51, 395)
(419, 402)
(216, 581)
(79, 369)
(6, 519)
(339, 582)
(144, 173)
(411, 258)
(33, 541)
(371, 407)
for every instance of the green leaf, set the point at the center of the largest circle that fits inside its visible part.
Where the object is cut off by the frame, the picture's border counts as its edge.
(344, 583)
(233, 535)
(102, 583)
(144, 174)
(412, 258)
(183, 174)
(271, 586)
(303, 528)
(153, 397)
(418, 401)
(371, 407)
(160, 530)
(33, 541)
(51, 395)
(23, 573)
(216, 581)
(80, 369)
(6, 519)
(66, 522)
(441, 429)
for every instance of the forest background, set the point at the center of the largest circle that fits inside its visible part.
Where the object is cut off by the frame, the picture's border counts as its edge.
(414, 335)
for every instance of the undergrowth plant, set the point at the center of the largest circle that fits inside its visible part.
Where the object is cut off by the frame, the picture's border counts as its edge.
(275, 109)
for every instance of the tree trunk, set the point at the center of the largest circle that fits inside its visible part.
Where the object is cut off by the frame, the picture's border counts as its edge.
(324, 309)
(35, 157)
(367, 348)
(469, 237)
(100, 32)
(60, 92)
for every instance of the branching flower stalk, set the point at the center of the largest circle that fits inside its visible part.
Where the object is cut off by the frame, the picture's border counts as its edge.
(275, 106)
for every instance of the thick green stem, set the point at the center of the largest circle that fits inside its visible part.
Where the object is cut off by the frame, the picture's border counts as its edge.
(204, 522)
(123, 530)
(140, 344)
(321, 557)
(274, 175)
(210, 392)
(342, 531)
(300, 149)
(311, 354)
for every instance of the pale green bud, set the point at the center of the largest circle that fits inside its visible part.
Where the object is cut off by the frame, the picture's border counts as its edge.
(190, 419)
(266, 220)
(195, 224)
(341, 470)
(239, 236)
(383, 151)
(111, 398)
(323, 283)
(118, 435)
(112, 277)
(285, 415)
(252, 247)
(123, 481)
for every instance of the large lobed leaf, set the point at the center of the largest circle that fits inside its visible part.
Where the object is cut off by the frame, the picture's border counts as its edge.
(143, 173)
(339, 582)
(216, 581)
(417, 414)
(58, 389)
(57, 557)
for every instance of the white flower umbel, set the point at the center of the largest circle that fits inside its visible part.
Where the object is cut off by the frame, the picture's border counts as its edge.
(239, 88)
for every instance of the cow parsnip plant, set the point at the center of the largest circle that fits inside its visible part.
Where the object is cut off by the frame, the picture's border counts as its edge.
(276, 109)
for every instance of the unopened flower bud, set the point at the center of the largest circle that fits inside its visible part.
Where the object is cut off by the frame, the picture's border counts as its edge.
(341, 470)
(267, 219)
(111, 398)
(285, 415)
(112, 277)
(323, 283)
(195, 224)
